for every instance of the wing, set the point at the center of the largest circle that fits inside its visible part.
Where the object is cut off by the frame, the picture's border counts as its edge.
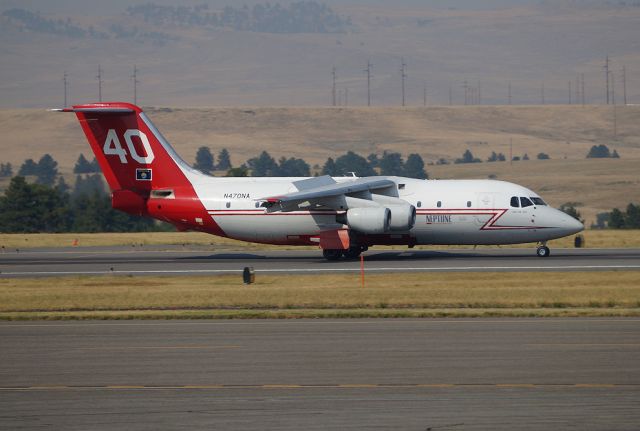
(325, 192)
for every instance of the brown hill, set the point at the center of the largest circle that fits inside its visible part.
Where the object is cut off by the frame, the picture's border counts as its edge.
(444, 44)
(565, 133)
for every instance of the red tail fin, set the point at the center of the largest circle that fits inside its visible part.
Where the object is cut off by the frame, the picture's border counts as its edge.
(145, 174)
(132, 153)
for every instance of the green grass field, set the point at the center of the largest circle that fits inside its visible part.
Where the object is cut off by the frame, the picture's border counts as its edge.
(272, 296)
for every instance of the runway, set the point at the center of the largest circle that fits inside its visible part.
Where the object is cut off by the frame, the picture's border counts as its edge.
(193, 260)
(322, 374)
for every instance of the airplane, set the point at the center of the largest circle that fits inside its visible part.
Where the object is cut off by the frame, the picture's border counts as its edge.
(343, 216)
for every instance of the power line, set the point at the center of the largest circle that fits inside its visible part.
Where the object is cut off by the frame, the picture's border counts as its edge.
(606, 74)
(465, 85)
(624, 84)
(403, 71)
(333, 92)
(135, 84)
(368, 70)
(424, 94)
(66, 83)
(569, 92)
(99, 77)
(613, 89)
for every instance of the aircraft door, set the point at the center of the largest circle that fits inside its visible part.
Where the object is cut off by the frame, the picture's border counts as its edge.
(484, 200)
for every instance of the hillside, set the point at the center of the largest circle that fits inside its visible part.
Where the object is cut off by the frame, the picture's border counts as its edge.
(566, 133)
(185, 60)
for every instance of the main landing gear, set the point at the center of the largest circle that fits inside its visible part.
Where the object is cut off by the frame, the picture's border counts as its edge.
(352, 252)
(543, 250)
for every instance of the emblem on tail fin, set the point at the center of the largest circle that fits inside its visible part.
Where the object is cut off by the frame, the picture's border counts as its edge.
(143, 174)
(113, 147)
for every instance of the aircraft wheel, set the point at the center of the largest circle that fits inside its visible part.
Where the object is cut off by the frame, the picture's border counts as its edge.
(331, 254)
(543, 251)
(352, 252)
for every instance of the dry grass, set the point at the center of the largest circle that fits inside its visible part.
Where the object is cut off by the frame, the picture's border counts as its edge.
(315, 133)
(564, 132)
(324, 295)
(593, 239)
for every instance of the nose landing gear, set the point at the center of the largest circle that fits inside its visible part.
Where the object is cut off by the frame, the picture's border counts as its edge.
(543, 250)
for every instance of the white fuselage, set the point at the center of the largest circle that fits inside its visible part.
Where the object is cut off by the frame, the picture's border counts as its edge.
(448, 212)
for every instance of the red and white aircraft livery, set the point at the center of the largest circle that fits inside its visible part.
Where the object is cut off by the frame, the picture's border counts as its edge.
(342, 215)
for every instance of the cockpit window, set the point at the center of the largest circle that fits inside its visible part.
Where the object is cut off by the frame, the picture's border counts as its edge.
(538, 201)
(525, 202)
(515, 202)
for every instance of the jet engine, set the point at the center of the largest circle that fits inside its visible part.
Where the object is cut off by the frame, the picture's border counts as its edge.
(370, 220)
(403, 217)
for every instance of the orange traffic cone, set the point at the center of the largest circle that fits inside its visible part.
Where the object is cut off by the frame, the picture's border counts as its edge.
(75, 242)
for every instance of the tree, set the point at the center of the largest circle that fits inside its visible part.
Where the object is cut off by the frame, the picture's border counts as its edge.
(525, 157)
(93, 213)
(598, 152)
(329, 168)
(499, 157)
(616, 219)
(632, 217)
(373, 160)
(414, 167)
(391, 164)
(263, 166)
(29, 167)
(83, 166)
(95, 166)
(47, 170)
(467, 157)
(204, 160)
(31, 208)
(224, 160)
(88, 185)
(6, 170)
(602, 220)
(352, 162)
(240, 171)
(570, 208)
(293, 167)
(543, 156)
(615, 155)
(61, 186)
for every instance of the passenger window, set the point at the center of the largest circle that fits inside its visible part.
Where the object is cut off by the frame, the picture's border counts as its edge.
(419, 204)
(439, 204)
(228, 205)
(515, 203)
(468, 204)
(525, 202)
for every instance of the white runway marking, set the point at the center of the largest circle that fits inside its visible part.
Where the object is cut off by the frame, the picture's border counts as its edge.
(317, 270)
